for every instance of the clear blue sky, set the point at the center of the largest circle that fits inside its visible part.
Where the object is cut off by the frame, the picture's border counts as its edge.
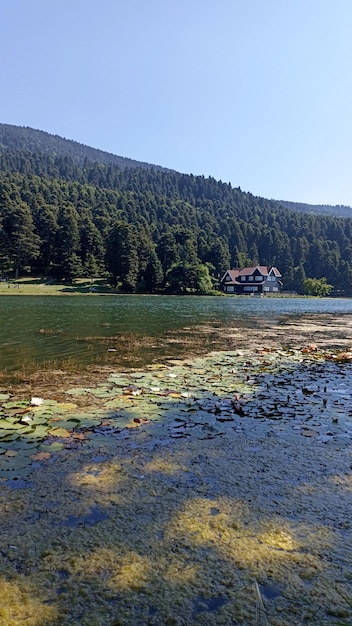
(253, 92)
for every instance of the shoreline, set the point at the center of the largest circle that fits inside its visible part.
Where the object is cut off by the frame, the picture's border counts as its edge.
(101, 287)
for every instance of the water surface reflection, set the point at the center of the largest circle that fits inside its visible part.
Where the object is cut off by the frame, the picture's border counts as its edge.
(131, 331)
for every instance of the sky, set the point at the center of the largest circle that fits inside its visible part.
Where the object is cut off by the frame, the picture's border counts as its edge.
(257, 93)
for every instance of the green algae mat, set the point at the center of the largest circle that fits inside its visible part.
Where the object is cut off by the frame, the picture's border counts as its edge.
(210, 491)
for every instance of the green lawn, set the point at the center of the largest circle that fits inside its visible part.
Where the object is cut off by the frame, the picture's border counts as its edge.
(39, 286)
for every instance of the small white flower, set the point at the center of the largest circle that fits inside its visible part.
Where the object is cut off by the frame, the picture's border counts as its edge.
(26, 420)
(37, 401)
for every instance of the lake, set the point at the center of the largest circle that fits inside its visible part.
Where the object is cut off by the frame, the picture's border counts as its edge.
(77, 331)
(187, 483)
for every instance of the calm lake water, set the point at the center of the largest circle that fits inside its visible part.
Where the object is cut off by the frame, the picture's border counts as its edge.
(82, 330)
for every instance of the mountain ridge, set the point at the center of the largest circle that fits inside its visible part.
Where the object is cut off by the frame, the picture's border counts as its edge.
(337, 210)
(25, 138)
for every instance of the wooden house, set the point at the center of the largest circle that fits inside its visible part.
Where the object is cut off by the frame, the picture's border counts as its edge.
(252, 280)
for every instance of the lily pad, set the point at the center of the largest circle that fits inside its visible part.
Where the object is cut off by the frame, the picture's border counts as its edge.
(11, 453)
(77, 391)
(103, 393)
(17, 473)
(65, 406)
(8, 425)
(52, 447)
(84, 420)
(39, 432)
(89, 422)
(42, 412)
(39, 419)
(16, 404)
(68, 424)
(115, 403)
(18, 444)
(40, 456)
(119, 381)
(123, 421)
(17, 462)
(59, 432)
(8, 436)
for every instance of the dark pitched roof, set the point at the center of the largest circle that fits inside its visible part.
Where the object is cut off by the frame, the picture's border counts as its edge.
(236, 273)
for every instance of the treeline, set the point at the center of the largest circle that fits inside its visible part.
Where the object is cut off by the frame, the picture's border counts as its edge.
(22, 138)
(155, 229)
(337, 210)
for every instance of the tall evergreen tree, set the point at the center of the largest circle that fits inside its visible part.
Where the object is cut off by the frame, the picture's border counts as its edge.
(67, 262)
(122, 257)
(18, 241)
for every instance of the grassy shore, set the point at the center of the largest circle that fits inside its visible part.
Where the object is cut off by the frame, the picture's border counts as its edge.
(41, 286)
(99, 286)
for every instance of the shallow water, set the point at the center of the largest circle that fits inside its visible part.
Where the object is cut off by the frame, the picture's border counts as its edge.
(83, 330)
(174, 520)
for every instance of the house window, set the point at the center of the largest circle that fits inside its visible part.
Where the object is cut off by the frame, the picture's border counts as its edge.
(259, 278)
(227, 277)
(251, 278)
(243, 278)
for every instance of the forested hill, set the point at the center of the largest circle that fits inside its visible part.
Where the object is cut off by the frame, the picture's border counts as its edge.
(21, 138)
(338, 210)
(154, 230)
(25, 139)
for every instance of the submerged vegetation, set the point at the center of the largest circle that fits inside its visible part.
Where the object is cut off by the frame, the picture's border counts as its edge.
(163, 494)
(203, 397)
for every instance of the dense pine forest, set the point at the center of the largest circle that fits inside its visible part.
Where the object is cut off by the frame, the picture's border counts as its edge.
(338, 210)
(150, 229)
(22, 138)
